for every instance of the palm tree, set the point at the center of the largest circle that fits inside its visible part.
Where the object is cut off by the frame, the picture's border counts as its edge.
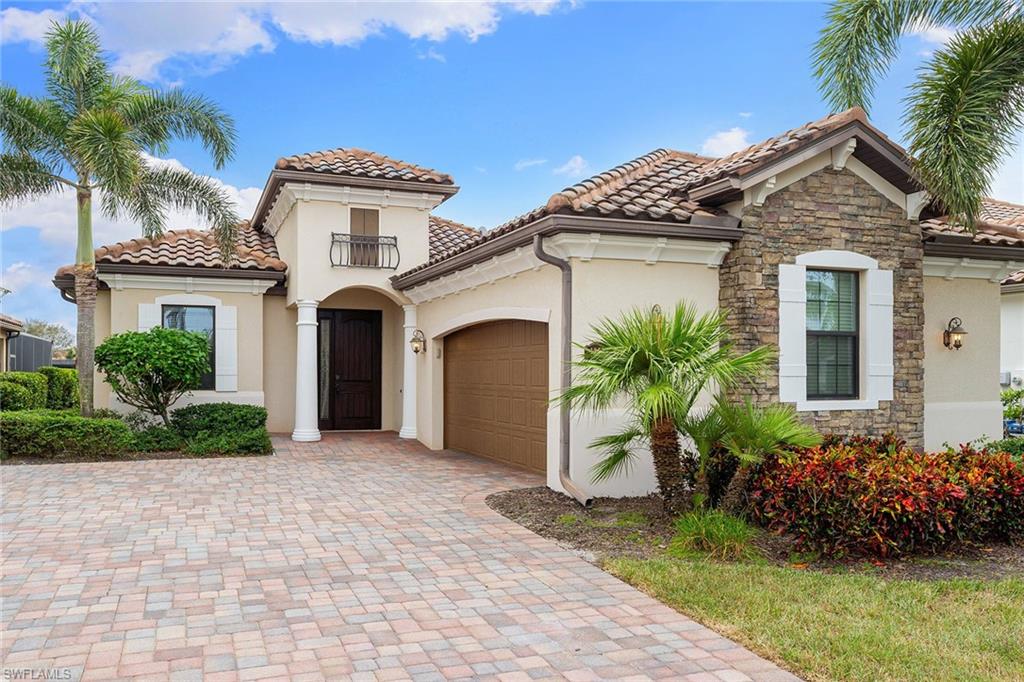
(968, 102)
(656, 366)
(90, 135)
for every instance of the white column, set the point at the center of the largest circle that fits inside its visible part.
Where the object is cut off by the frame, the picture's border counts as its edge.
(408, 376)
(306, 418)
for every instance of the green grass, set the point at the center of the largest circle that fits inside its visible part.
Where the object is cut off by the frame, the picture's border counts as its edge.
(629, 519)
(568, 520)
(848, 626)
(712, 534)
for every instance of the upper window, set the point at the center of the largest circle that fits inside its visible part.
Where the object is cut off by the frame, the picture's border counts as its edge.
(832, 334)
(194, 318)
(365, 230)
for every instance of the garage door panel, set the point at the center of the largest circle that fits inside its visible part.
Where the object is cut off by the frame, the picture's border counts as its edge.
(496, 392)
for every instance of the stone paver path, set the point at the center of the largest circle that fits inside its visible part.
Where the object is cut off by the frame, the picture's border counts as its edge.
(360, 557)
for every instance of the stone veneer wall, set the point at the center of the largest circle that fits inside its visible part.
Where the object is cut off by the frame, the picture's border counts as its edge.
(831, 210)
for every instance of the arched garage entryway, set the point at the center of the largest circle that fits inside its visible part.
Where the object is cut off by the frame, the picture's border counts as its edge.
(496, 392)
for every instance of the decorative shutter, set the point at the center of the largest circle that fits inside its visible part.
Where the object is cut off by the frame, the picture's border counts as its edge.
(149, 316)
(792, 333)
(878, 344)
(226, 341)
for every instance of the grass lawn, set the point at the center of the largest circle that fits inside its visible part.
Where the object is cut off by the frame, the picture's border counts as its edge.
(844, 626)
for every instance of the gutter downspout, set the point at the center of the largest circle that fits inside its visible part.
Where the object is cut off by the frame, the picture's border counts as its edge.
(563, 459)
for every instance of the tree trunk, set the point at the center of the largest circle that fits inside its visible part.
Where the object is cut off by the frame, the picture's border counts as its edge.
(734, 501)
(702, 488)
(85, 297)
(667, 466)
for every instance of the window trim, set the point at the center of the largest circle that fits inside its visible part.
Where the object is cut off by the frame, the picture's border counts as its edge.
(855, 335)
(212, 372)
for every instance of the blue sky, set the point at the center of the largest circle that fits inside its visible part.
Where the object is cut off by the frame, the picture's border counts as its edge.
(515, 100)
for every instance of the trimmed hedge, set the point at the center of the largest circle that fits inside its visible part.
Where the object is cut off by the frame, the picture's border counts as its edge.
(61, 387)
(158, 439)
(217, 418)
(14, 397)
(249, 441)
(46, 433)
(34, 382)
(876, 496)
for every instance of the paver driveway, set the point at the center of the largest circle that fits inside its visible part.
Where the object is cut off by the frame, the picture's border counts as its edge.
(358, 557)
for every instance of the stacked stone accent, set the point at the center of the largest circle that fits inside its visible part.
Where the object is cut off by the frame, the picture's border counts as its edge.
(831, 210)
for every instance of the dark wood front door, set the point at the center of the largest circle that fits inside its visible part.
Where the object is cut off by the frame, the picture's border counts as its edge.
(349, 371)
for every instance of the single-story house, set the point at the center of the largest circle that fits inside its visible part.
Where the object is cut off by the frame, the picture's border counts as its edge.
(9, 328)
(1011, 345)
(349, 305)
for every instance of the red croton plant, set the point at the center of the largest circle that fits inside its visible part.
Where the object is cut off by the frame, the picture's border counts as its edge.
(879, 497)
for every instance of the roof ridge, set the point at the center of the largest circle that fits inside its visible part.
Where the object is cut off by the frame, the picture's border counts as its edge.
(610, 179)
(454, 224)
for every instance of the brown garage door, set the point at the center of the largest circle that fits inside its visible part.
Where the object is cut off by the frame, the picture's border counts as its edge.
(496, 392)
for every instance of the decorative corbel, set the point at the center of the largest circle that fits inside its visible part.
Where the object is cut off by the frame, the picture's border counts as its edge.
(916, 203)
(760, 192)
(841, 153)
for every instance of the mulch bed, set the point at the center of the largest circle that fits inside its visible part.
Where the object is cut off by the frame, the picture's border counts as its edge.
(638, 527)
(123, 457)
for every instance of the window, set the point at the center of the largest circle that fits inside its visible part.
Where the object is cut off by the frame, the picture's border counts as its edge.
(832, 341)
(194, 318)
(365, 229)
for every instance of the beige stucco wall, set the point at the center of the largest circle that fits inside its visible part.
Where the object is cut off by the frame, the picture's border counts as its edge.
(101, 390)
(961, 388)
(279, 363)
(1012, 333)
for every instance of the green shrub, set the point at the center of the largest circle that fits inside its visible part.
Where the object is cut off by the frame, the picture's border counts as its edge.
(248, 441)
(1013, 403)
(151, 370)
(157, 439)
(1014, 446)
(14, 397)
(217, 418)
(61, 387)
(46, 433)
(34, 382)
(713, 534)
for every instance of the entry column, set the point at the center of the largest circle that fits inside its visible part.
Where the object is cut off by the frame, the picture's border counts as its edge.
(306, 417)
(408, 375)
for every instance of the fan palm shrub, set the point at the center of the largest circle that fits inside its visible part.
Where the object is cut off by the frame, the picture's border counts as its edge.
(655, 365)
(967, 104)
(90, 134)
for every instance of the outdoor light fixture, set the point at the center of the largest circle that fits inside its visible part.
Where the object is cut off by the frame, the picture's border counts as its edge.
(953, 337)
(418, 342)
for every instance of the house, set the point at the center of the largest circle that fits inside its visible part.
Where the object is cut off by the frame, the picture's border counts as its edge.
(10, 328)
(1011, 345)
(349, 305)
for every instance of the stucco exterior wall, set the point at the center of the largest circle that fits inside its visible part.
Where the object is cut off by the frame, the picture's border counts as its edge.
(961, 388)
(1011, 347)
(838, 210)
(279, 341)
(101, 390)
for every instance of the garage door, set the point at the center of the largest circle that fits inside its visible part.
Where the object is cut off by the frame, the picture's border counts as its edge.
(496, 392)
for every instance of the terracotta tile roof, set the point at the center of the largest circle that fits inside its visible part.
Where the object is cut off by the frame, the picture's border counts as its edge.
(192, 248)
(1015, 278)
(446, 235)
(360, 163)
(1000, 223)
(11, 324)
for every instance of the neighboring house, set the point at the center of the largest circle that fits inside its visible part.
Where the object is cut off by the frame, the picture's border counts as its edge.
(348, 305)
(1011, 346)
(27, 353)
(9, 329)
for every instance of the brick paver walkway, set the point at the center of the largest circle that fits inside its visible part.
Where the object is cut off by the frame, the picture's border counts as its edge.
(358, 557)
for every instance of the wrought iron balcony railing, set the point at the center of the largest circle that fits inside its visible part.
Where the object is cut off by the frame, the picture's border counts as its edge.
(364, 251)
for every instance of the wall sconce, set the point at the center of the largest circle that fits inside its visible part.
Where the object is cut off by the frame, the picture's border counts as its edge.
(418, 342)
(953, 337)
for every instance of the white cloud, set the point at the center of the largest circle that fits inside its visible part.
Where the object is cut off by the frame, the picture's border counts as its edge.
(746, 114)
(934, 35)
(726, 142)
(1008, 183)
(576, 167)
(54, 215)
(432, 54)
(20, 275)
(523, 164)
(150, 39)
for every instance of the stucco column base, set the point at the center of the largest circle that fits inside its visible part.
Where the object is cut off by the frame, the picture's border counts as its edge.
(306, 436)
(306, 417)
(406, 432)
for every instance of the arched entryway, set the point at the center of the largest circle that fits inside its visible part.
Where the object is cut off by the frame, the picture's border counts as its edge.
(496, 391)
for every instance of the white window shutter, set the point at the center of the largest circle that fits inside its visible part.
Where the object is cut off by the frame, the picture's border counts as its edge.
(226, 342)
(878, 345)
(149, 316)
(792, 333)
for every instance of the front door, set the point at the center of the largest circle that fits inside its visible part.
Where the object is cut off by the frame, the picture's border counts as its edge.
(349, 373)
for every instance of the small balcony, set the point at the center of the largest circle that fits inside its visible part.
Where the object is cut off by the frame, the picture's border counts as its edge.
(364, 251)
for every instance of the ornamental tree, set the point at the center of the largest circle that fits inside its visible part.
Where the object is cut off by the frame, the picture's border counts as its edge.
(152, 370)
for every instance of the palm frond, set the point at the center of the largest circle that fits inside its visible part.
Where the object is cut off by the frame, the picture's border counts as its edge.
(861, 38)
(101, 142)
(23, 177)
(32, 126)
(77, 75)
(617, 453)
(155, 117)
(751, 433)
(964, 113)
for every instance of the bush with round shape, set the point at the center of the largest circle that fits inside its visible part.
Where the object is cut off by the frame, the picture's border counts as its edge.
(33, 382)
(48, 433)
(151, 370)
(61, 387)
(14, 397)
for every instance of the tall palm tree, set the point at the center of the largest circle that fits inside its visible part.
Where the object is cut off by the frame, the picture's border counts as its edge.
(655, 366)
(90, 135)
(968, 102)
